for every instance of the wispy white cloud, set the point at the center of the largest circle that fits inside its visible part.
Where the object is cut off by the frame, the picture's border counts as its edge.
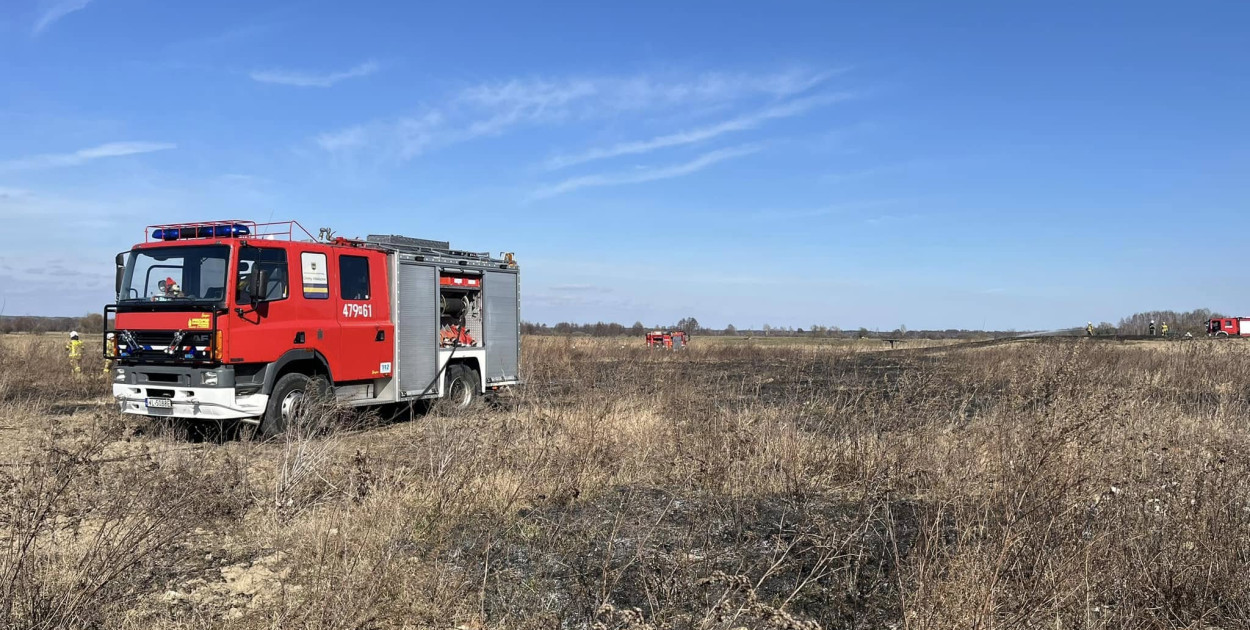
(858, 174)
(82, 156)
(742, 123)
(392, 140)
(305, 79)
(645, 174)
(494, 108)
(883, 219)
(530, 100)
(644, 91)
(845, 208)
(896, 168)
(52, 10)
(207, 48)
(415, 134)
(18, 206)
(334, 141)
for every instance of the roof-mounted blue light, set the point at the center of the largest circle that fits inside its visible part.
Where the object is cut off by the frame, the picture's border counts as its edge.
(173, 233)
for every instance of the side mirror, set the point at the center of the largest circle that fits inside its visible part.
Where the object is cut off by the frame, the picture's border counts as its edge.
(120, 271)
(258, 286)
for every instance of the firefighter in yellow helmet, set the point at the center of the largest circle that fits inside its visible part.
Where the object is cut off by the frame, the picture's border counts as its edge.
(110, 342)
(74, 350)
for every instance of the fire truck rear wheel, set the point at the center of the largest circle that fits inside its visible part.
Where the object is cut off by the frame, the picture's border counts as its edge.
(463, 387)
(284, 402)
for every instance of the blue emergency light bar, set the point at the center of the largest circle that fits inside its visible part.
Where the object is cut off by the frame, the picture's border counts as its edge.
(204, 231)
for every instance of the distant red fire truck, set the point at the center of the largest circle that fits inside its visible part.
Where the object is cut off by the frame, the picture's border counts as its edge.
(668, 339)
(235, 320)
(1229, 327)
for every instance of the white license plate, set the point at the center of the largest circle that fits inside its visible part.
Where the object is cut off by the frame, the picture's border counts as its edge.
(160, 403)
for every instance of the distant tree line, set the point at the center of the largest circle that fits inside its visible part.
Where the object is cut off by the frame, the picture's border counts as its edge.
(93, 323)
(1194, 321)
(691, 325)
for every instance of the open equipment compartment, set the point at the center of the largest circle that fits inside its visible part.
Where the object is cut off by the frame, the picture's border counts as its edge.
(460, 308)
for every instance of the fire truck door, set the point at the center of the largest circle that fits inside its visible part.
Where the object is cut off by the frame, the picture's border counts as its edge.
(503, 348)
(261, 333)
(364, 318)
(417, 309)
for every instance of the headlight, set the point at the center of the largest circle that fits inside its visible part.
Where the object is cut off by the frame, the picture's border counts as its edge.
(119, 375)
(209, 378)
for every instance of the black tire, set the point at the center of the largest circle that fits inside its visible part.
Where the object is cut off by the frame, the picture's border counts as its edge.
(463, 388)
(284, 401)
(1221, 334)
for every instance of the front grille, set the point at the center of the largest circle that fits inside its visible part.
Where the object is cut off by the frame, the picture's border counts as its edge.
(165, 346)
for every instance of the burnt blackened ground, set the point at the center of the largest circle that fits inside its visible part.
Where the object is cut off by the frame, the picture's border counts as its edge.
(675, 555)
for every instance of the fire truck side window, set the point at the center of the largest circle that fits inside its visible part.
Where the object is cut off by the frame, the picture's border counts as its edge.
(271, 260)
(354, 277)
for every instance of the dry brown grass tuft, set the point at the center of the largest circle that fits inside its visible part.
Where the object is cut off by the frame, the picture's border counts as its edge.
(1041, 484)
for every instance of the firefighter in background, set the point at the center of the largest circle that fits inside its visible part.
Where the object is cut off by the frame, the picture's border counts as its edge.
(1152, 328)
(110, 343)
(1165, 329)
(74, 350)
(1089, 329)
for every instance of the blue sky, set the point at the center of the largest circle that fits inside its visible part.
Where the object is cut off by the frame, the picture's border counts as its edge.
(934, 165)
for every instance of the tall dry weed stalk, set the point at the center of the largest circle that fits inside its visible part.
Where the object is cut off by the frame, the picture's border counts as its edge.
(308, 448)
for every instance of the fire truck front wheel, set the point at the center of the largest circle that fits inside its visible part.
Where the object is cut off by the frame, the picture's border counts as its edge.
(462, 387)
(285, 401)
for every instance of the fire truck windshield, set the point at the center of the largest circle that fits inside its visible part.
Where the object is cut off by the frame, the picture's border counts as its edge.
(181, 275)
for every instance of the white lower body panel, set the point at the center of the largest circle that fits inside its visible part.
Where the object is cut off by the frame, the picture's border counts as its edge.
(206, 403)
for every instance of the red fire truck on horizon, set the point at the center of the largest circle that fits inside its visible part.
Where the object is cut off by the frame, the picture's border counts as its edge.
(237, 320)
(1229, 327)
(668, 339)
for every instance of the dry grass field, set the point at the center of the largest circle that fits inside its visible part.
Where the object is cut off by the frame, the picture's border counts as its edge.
(1057, 484)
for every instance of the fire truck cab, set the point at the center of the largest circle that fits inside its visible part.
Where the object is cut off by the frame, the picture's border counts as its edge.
(1229, 327)
(235, 320)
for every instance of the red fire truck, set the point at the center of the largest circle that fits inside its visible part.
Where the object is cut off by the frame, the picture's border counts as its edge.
(1229, 327)
(237, 320)
(667, 339)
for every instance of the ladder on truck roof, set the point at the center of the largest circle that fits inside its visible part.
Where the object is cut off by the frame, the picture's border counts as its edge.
(439, 251)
